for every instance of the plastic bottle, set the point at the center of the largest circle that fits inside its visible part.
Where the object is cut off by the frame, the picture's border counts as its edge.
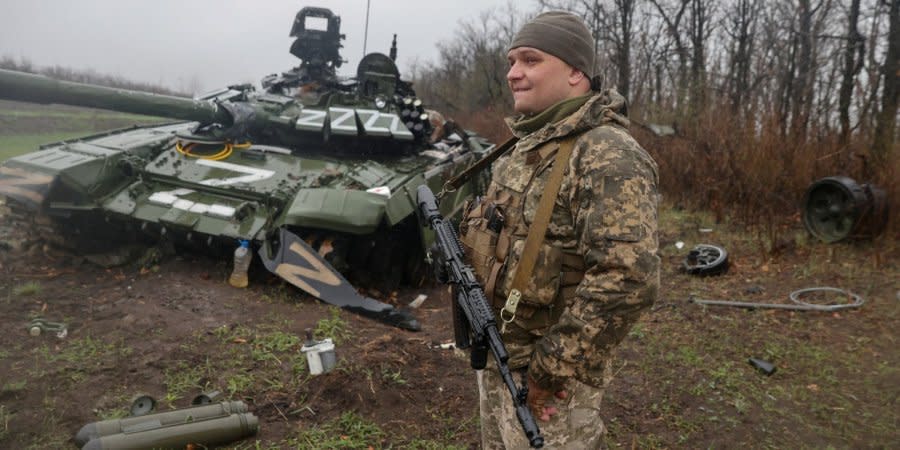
(242, 257)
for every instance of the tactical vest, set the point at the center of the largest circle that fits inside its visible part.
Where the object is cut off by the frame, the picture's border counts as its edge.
(494, 229)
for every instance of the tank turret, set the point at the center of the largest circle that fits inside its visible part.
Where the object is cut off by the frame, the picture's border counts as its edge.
(363, 113)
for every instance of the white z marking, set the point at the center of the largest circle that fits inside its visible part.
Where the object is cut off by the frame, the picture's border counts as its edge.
(346, 114)
(311, 118)
(252, 173)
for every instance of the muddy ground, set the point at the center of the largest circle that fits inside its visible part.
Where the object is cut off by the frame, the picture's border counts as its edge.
(171, 327)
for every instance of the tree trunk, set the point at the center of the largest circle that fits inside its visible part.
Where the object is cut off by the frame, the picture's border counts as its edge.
(853, 58)
(742, 32)
(699, 25)
(800, 100)
(883, 145)
(623, 53)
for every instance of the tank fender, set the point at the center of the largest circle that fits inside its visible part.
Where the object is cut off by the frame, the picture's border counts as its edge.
(354, 212)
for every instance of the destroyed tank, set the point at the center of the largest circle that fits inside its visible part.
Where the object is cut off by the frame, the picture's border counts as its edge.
(318, 172)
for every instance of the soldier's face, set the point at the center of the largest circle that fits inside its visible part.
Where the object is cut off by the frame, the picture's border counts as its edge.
(538, 79)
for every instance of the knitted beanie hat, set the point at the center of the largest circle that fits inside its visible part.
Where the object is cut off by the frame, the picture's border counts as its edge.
(560, 34)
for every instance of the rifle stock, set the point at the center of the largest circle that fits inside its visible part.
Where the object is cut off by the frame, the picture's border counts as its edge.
(474, 323)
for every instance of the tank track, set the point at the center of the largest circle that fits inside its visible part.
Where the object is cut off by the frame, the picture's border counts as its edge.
(28, 227)
(80, 234)
(384, 260)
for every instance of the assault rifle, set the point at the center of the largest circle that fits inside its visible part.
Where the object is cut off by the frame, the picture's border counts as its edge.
(474, 323)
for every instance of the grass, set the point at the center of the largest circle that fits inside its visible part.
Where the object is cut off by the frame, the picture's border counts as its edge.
(116, 404)
(347, 431)
(257, 360)
(17, 144)
(52, 433)
(90, 352)
(252, 359)
(13, 386)
(72, 114)
(181, 379)
(700, 392)
(77, 358)
(334, 327)
(391, 375)
(5, 415)
(26, 129)
(28, 289)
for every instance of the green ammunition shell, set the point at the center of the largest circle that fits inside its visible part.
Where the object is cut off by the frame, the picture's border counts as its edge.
(102, 428)
(147, 435)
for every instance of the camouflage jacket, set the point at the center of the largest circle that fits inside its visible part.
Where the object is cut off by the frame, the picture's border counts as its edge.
(598, 265)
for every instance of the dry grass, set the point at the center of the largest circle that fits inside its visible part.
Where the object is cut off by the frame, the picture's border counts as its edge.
(747, 173)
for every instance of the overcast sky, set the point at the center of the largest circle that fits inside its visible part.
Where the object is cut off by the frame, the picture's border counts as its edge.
(213, 43)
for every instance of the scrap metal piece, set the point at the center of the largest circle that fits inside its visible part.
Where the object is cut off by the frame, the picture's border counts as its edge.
(39, 325)
(795, 297)
(763, 366)
(837, 208)
(299, 264)
(706, 259)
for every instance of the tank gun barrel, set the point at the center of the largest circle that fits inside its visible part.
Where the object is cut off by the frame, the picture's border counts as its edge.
(29, 87)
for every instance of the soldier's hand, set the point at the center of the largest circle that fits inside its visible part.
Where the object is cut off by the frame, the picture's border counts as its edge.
(539, 401)
(439, 264)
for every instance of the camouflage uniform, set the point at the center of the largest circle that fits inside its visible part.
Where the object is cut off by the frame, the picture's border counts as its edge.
(597, 268)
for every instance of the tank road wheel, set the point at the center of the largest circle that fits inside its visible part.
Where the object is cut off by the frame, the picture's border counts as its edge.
(396, 257)
(836, 208)
(705, 259)
(387, 261)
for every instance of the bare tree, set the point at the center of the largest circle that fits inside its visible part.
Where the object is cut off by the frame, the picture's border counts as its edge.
(882, 145)
(801, 89)
(871, 72)
(854, 52)
(741, 28)
(672, 16)
(699, 30)
(470, 72)
(611, 24)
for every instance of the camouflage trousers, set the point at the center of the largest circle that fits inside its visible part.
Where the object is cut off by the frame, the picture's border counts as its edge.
(577, 425)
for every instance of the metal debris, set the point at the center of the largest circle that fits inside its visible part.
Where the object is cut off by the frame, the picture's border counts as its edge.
(39, 325)
(763, 366)
(418, 301)
(799, 305)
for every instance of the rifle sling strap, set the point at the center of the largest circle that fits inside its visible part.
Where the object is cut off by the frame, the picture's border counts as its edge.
(538, 228)
(460, 178)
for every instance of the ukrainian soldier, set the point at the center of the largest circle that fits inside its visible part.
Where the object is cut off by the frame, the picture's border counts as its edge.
(570, 299)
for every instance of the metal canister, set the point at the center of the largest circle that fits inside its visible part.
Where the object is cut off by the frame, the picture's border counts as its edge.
(320, 356)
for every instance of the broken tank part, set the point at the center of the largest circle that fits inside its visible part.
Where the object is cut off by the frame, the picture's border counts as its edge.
(706, 259)
(837, 208)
